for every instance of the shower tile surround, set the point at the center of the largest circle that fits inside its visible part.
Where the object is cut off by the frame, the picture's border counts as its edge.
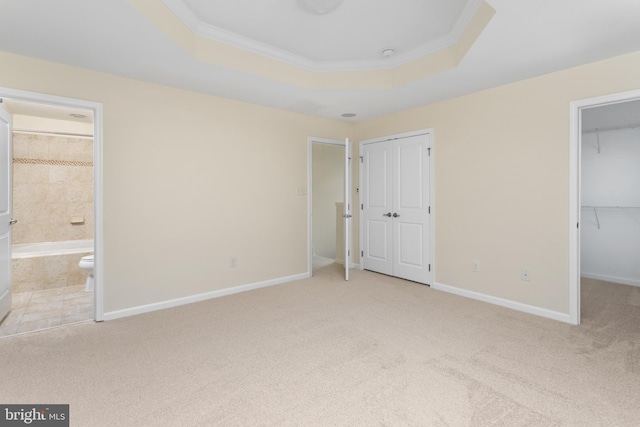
(52, 182)
(47, 272)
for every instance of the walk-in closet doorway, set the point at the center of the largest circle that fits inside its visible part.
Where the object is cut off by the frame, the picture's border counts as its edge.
(606, 190)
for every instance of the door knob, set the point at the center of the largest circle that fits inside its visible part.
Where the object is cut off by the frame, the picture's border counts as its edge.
(387, 214)
(12, 221)
(395, 215)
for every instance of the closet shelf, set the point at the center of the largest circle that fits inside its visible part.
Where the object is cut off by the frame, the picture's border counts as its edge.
(595, 210)
(598, 130)
(609, 207)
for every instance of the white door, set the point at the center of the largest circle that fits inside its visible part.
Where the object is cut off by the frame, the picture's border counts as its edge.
(410, 218)
(377, 208)
(5, 212)
(347, 208)
(396, 199)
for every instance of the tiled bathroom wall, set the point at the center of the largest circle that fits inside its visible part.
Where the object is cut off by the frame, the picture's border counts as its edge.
(52, 187)
(47, 272)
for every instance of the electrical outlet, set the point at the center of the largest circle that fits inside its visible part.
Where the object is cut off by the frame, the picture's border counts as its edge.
(233, 262)
(475, 266)
(525, 275)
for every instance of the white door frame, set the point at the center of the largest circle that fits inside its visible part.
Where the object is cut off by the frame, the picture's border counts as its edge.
(346, 209)
(310, 141)
(6, 214)
(575, 178)
(98, 233)
(432, 253)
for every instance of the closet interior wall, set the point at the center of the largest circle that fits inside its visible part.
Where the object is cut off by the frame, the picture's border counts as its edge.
(610, 214)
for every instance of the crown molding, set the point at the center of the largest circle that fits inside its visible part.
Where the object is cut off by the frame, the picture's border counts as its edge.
(211, 32)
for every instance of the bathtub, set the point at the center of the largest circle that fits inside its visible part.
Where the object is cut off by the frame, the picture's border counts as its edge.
(32, 250)
(42, 266)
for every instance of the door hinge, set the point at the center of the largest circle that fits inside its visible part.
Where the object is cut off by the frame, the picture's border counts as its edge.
(361, 206)
(429, 209)
(361, 159)
(429, 267)
(361, 253)
(348, 253)
(429, 151)
(578, 225)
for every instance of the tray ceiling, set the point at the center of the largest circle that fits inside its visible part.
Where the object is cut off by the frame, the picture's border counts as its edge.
(351, 37)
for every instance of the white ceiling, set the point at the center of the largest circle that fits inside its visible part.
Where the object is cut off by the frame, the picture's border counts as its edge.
(523, 39)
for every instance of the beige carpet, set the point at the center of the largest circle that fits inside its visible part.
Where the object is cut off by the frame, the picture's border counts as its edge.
(372, 351)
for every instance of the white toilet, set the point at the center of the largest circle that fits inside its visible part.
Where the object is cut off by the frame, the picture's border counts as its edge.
(86, 264)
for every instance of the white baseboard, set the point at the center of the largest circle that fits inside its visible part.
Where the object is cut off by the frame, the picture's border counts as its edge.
(526, 308)
(614, 279)
(201, 297)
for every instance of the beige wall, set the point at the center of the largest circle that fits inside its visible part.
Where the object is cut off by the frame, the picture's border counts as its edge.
(502, 179)
(190, 180)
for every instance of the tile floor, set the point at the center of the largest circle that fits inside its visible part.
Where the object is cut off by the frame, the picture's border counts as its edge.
(32, 311)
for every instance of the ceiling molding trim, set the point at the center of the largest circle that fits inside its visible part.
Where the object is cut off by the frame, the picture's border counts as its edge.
(226, 55)
(452, 38)
(184, 12)
(217, 34)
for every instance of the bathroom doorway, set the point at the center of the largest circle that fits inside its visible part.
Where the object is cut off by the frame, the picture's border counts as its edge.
(326, 186)
(56, 159)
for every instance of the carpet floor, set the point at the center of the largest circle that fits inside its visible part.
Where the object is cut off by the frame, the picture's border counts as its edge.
(372, 351)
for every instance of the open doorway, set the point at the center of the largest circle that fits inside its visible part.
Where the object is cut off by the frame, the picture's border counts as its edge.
(55, 204)
(326, 184)
(605, 246)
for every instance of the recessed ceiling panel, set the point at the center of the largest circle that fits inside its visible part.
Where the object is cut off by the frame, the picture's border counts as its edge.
(355, 33)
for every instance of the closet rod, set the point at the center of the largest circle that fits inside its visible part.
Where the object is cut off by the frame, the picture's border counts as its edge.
(595, 210)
